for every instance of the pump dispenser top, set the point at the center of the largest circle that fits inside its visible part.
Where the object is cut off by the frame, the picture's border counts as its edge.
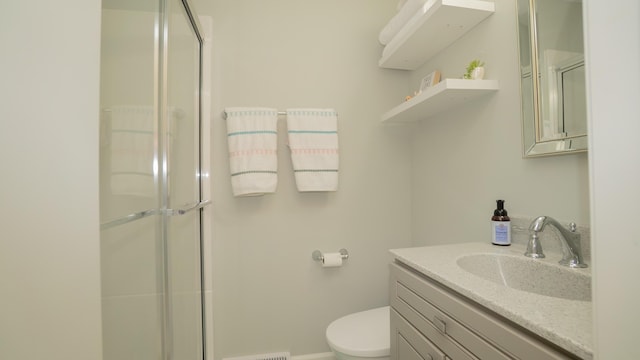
(500, 225)
(500, 211)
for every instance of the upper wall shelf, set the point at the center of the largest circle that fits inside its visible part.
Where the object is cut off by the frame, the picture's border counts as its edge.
(427, 34)
(442, 96)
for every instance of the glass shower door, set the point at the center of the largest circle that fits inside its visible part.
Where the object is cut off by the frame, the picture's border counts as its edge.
(131, 242)
(150, 192)
(183, 185)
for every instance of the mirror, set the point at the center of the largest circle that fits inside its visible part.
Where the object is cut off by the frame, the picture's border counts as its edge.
(554, 111)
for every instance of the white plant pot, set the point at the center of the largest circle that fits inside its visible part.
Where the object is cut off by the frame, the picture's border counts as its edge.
(477, 73)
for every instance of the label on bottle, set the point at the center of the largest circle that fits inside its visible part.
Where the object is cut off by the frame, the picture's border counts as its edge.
(501, 232)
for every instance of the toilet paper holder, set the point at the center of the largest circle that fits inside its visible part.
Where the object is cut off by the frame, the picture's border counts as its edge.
(319, 256)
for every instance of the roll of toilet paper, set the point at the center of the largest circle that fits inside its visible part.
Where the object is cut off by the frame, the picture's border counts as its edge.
(332, 260)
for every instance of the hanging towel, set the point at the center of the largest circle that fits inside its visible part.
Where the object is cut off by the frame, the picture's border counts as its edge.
(313, 140)
(252, 135)
(132, 150)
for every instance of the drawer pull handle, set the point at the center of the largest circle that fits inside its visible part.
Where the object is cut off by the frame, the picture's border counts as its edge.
(440, 324)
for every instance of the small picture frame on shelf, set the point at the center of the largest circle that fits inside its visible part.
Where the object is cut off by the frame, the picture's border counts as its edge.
(430, 80)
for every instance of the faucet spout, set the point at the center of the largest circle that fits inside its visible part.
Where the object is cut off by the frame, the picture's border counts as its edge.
(569, 238)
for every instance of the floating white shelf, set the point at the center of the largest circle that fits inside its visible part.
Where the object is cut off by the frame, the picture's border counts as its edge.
(442, 96)
(432, 30)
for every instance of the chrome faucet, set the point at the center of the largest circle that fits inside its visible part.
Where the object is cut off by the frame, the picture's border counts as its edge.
(570, 240)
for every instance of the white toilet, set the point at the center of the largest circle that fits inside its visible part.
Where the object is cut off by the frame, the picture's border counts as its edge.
(362, 335)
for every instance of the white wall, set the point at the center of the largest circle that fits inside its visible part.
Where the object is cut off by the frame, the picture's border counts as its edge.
(466, 158)
(49, 232)
(613, 32)
(49, 253)
(268, 293)
(444, 173)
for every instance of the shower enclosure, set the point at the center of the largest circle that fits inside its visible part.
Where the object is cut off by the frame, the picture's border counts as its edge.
(151, 173)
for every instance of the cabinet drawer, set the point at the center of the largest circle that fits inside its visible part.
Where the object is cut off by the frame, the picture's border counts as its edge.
(428, 305)
(408, 344)
(443, 330)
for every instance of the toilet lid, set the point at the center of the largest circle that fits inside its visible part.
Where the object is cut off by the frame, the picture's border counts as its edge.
(364, 334)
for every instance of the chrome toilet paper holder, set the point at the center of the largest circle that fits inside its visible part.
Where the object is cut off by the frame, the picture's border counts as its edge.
(319, 256)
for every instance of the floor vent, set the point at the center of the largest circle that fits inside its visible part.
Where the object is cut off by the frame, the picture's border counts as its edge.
(272, 356)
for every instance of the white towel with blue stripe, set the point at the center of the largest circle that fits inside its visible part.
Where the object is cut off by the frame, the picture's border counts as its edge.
(132, 151)
(252, 136)
(313, 141)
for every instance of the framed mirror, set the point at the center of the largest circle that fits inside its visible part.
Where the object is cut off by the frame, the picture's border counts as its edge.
(552, 77)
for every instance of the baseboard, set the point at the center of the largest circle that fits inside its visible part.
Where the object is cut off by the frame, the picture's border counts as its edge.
(317, 356)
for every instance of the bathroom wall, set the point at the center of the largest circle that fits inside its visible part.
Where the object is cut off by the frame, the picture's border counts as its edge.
(268, 293)
(466, 158)
(432, 182)
(49, 241)
(613, 31)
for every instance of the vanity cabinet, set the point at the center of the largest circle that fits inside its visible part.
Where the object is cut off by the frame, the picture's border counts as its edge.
(430, 321)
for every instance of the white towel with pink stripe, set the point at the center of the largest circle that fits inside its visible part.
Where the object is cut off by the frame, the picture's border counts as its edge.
(313, 141)
(252, 136)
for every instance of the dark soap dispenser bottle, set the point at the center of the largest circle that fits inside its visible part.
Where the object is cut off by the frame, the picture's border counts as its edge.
(500, 225)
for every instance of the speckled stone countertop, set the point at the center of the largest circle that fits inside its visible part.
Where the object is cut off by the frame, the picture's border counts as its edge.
(566, 323)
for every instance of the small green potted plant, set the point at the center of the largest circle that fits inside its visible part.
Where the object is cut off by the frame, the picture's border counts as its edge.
(475, 70)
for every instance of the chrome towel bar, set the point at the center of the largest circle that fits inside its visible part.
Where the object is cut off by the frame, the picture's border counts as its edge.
(280, 113)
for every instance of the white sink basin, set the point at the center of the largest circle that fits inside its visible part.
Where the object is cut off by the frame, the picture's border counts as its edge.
(531, 275)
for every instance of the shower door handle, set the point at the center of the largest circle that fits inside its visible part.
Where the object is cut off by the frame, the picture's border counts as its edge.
(128, 218)
(188, 208)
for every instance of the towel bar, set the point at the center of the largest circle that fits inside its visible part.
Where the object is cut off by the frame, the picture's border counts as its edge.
(280, 113)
